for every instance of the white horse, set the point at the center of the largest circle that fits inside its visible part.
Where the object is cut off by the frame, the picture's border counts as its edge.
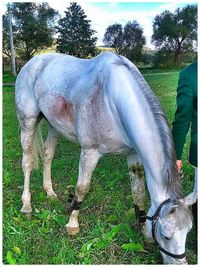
(105, 105)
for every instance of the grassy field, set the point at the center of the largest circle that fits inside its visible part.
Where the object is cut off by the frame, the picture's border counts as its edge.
(106, 217)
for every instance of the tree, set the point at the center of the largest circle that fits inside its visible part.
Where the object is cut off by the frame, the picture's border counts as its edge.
(127, 41)
(6, 49)
(11, 42)
(175, 32)
(34, 24)
(133, 41)
(113, 37)
(6, 44)
(75, 33)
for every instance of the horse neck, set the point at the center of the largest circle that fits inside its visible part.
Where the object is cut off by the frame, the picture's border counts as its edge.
(142, 133)
(157, 190)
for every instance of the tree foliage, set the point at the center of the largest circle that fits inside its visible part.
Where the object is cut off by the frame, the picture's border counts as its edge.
(33, 28)
(6, 44)
(75, 33)
(113, 37)
(127, 41)
(133, 41)
(175, 32)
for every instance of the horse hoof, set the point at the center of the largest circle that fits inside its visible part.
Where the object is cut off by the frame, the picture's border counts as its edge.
(26, 210)
(52, 194)
(73, 230)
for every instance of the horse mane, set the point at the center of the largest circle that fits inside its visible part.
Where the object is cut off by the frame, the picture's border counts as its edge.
(183, 216)
(171, 177)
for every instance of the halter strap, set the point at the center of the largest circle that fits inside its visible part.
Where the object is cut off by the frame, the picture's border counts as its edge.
(155, 217)
(154, 220)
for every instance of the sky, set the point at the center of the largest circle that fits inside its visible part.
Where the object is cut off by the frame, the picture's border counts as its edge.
(103, 14)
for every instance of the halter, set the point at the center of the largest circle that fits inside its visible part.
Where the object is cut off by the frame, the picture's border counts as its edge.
(154, 219)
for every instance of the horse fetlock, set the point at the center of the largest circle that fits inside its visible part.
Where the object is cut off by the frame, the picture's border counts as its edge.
(26, 197)
(51, 193)
(26, 200)
(139, 200)
(49, 190)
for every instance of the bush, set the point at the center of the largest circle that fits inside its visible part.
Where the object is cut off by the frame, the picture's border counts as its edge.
(165, 59)
(148, 57)
(189, 57)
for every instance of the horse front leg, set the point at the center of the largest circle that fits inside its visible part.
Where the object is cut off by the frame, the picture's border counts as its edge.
(88, 161)
(136, 172)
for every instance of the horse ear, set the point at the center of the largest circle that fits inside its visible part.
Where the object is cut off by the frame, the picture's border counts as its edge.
(190, 199)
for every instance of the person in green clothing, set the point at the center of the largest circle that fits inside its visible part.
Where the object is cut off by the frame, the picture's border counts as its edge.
(186, 118)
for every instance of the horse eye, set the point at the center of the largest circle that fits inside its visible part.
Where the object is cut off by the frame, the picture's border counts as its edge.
(165, 237)
(172, 211)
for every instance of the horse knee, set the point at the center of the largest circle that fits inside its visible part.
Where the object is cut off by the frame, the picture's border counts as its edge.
(137, 169)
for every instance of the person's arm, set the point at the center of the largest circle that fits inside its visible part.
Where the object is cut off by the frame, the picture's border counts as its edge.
(183, 115)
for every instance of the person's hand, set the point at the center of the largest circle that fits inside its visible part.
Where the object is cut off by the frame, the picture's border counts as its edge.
(179, 165)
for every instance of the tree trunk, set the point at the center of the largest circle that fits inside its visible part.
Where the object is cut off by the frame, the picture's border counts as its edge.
(11, 43)
(177, 59)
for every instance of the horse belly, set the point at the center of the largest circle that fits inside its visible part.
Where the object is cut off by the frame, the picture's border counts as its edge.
(112, 144)
(103, 135)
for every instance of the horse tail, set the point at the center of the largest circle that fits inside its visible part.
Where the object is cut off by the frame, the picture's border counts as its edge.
(38, 144)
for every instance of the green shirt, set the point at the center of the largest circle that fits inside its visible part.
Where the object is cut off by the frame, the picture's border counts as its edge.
(186, 113)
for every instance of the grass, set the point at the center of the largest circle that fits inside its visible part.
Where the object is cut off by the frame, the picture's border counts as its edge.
(106, 217)
(151, 70)
(7, 78)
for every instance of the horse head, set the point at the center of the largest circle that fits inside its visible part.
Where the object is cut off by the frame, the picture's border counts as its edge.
(169, 227)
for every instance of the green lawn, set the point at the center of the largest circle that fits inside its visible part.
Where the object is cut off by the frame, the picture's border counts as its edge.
(7, 78)
(106, 217)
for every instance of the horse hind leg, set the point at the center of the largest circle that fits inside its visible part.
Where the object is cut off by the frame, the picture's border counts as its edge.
(48, 153)
(28, 130)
